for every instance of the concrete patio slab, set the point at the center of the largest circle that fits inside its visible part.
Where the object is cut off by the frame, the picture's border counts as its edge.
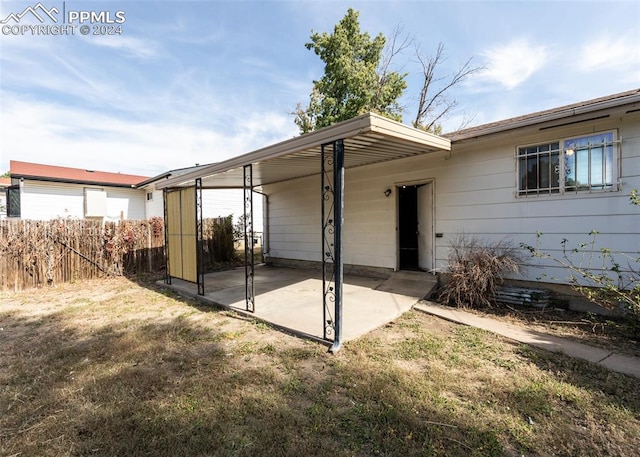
(292, 299)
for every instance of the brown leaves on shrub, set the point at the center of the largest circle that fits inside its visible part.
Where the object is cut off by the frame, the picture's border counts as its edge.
(476, 269)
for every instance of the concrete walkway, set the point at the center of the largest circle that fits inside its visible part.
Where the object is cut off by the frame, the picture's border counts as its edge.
(611, 360)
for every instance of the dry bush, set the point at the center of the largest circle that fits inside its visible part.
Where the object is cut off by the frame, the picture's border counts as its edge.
(218, 240)
(476, 269)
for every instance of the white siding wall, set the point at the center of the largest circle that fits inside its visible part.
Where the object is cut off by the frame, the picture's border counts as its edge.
(223, 202)
(43, 201)
(294, 219)
(474, 192)
(125, 203)
(154, 207)
(47, 200)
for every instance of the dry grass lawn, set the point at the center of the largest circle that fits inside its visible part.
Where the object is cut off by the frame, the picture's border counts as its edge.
(114, 367)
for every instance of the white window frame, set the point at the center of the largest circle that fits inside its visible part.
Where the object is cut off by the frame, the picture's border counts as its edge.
(95, 202)
(563, 152)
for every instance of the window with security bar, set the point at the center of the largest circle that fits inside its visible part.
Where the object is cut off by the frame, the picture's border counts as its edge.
(584, 163)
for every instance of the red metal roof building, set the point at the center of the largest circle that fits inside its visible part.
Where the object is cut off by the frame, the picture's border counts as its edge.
(40, 172)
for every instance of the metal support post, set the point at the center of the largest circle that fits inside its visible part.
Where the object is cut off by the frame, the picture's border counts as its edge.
(332, 204)
(167, 271)
(248, 238)
(199, 238)
(338, 176)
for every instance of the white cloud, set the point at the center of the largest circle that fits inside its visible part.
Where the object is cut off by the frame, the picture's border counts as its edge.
(515, 62)
(136, 47)
(73, 109)
(76, 137)
(604, 53)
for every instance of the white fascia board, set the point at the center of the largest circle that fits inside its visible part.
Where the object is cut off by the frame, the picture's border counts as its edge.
(404, 132)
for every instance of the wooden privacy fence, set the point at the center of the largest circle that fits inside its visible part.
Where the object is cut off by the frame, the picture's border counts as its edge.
(38, 253)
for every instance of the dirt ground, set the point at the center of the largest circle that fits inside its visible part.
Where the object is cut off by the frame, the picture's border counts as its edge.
(616, 334)
(120, 367)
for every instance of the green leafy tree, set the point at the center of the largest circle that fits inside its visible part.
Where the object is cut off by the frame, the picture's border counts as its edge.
(354, 82)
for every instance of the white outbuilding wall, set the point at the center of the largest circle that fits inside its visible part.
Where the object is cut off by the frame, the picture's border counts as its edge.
(41, 200)
(154, 204)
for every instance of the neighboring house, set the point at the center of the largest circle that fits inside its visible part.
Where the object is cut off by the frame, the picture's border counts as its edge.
(44, 192)
(408, 195)
(4, 184)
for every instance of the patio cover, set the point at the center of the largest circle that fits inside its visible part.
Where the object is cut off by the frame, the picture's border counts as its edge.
(363, 140)
(368, 139)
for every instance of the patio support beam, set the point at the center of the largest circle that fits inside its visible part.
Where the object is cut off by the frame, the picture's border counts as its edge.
(167, 272)
(332, 204)
(199, 238)
(248, 238)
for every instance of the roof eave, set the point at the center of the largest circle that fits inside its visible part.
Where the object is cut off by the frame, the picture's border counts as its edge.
(326, 135)
(149, 181)
(547, 117)
(365, 123)
(72, 181)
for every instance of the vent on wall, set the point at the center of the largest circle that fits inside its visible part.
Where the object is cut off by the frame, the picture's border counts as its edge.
(575, 122)
(95, 203)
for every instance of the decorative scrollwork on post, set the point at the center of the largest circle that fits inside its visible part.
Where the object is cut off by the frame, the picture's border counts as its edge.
(328, 231)
(248, 238)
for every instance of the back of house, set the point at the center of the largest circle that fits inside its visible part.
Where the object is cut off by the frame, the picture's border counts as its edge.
(565, 172)
(409, 196)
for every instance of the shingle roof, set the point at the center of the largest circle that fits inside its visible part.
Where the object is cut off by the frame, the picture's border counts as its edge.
(619, 99)
(73, 175)
(5, 182)
(172, 173)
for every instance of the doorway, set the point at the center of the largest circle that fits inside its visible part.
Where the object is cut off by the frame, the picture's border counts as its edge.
(415, 228)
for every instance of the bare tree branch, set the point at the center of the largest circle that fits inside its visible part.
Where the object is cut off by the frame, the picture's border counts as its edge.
(428, 70)
(395, 45)
(398, 42)
(467, 119)
(434, 105)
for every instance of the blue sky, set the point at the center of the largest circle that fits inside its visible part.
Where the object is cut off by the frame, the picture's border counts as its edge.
(197, 82)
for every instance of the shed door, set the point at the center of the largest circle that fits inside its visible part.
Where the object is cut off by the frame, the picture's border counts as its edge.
(181, 234)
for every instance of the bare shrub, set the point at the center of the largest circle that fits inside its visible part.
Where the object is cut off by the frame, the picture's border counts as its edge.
(476, 269)
(604, 276)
